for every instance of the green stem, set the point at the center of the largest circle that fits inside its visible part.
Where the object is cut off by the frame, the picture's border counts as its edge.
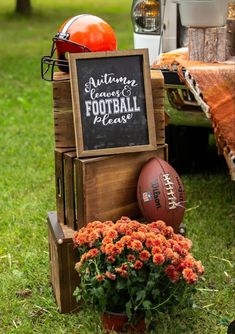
(96, 267)
(165, 301)
(141, 301)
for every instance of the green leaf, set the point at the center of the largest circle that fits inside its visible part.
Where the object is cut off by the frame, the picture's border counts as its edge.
(140, 295)
(99, 292)
(129, 309)
(121, 284)
(155, 293)
(77, 291)
(147, 304)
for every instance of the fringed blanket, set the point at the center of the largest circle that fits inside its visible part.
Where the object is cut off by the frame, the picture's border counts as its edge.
(213, 85)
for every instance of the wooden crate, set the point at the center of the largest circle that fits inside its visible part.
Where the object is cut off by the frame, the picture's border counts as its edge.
(63, 114)
(101, 188)
(62, 257)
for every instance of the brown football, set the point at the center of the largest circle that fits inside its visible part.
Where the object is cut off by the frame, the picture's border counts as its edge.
(160, 193)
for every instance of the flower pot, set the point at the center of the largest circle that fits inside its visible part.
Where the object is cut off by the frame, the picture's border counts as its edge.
(119, 323)
(203, 13)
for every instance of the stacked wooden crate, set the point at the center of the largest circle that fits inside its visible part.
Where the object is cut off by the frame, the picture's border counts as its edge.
(87, 189)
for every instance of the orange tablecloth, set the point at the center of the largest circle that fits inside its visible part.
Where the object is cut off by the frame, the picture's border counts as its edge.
(213, 85)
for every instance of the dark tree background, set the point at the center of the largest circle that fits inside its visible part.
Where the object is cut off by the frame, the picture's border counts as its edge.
(23, 6)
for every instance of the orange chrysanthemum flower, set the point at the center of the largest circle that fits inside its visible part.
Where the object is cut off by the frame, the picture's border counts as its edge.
(120, 245)
(169, 254)
(138, 236)
(107, 240)
(78, 265)
(126, 239)
(93, 236)
(109, 248)
(186, 244)
(158, 259)
(157, 241)
(122, 228)
(111, 276)
(122, 272)
(112, 233)
(149, 242)
(189, 275)
(168, 231)
(144, 255)
(143, 229)
(159, 224)
(199, 267)
(92, 253)
(138, 265)
(131, 258)
(111, 259)
(136, 245)
(124, 266)
(172, 273)
(156, 249)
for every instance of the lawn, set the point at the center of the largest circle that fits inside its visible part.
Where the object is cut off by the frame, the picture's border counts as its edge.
(27, 190)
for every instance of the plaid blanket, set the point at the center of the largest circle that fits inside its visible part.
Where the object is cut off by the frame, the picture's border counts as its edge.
(213, 85)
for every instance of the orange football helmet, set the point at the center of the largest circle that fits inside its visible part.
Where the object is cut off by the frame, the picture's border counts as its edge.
(81, 33)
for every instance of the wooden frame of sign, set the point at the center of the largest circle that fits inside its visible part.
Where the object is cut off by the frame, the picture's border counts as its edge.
(112, 102)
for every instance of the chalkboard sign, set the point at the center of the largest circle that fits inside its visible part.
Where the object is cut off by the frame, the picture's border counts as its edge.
(112, 102)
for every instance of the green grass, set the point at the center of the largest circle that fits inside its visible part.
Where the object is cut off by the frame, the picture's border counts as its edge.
(27, 189)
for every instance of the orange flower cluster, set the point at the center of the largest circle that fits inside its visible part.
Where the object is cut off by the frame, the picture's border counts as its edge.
(130, 245)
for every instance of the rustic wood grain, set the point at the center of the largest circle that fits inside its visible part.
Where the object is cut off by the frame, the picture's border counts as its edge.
(157, 82)
(230, 38)
(62, 257)
(106, 186)
(208, 44)
(70, 217)
(196, 38)
(64, 129)
(59, 183)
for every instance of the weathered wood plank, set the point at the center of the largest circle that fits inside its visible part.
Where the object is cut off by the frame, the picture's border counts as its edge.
(196, 42)
(208, 44)
(62, 257)
(230, 38)
(70, 217)
(64, 129)
(157, 81)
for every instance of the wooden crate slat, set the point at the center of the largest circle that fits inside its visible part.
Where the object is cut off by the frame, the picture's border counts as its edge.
(59, 185)
(64, 129)
(157, 81)
(62, 256)
(70, 217)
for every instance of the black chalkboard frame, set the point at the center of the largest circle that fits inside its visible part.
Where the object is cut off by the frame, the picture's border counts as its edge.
(146, 81)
